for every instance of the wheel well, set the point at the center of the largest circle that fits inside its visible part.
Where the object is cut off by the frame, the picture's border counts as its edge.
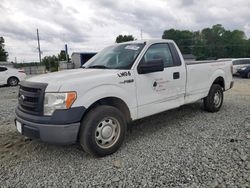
(115, 102)
(12, 77)
(220, 81)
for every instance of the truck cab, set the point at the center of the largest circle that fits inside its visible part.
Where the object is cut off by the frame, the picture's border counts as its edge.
(122, 83)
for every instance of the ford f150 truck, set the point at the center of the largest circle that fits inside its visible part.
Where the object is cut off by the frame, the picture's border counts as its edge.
(124, 82)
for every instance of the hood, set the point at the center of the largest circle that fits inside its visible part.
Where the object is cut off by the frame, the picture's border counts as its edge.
(57, 79)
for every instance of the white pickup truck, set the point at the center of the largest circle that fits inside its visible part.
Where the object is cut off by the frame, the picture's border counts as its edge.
(124, 82)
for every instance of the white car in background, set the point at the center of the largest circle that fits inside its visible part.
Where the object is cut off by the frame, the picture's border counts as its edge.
(239, 63)
(11, 76)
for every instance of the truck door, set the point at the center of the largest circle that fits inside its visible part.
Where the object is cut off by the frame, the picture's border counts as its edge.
(160, 91)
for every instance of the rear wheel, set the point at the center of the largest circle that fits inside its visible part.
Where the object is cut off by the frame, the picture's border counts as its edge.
(13, 81)
(102, 131)
(248, 75)
(214, 100)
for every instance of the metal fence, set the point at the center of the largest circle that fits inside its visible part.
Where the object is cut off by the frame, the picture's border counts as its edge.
(35, 69)
(63, 65)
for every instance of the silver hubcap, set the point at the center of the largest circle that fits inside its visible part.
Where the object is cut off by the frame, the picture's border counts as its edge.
(217, 99)
(107, 132)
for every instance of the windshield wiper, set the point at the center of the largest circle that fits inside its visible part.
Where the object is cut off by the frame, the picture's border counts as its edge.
(98, 67)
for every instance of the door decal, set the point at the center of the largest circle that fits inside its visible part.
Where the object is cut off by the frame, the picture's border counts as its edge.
(159, 85)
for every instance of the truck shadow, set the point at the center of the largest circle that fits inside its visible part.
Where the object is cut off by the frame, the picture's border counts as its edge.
(3, 86)
(169, 119)
(7, 86)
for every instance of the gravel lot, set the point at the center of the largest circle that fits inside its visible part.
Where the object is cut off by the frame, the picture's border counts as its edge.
(185, 147)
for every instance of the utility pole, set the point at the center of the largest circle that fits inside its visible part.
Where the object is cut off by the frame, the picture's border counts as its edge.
(141, 34)
(38, 42)
(66, 53)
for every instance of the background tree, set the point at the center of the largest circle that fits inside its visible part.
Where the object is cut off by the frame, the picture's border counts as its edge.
(51, 63)
(184, 39)
(211, 43)
(124, 38)
(62, 56)
(3, 53)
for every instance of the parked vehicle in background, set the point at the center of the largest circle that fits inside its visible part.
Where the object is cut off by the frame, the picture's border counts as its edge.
(11, 76)
(122, 83)
(244, 72)
(239, 63)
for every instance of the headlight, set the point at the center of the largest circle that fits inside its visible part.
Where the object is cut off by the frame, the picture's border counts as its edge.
(243, 68)
(53, 101)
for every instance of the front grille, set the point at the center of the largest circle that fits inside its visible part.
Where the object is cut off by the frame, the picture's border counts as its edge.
(34, 90)
(31, 96)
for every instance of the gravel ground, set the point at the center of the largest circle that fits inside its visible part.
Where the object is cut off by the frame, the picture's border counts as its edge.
(185, 147)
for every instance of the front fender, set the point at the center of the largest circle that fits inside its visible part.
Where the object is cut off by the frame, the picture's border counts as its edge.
(91, 96)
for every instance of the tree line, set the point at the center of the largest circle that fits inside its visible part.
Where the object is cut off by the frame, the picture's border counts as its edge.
(211, 43)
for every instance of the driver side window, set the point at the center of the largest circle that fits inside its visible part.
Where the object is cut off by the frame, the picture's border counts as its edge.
(159, 51)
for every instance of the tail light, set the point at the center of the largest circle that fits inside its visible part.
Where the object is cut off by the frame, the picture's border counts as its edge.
(21, 71)
(231, 69)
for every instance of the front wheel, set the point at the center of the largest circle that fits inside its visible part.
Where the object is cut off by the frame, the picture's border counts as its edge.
(102, 131)
(13, 81)
(214, 100)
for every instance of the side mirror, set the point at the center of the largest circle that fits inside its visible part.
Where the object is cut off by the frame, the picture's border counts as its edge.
(155, 65)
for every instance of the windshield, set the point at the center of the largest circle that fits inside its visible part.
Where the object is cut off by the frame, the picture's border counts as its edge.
(116, 57)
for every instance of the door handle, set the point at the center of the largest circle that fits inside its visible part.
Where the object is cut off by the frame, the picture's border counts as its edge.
(154, 84)
(176, 75)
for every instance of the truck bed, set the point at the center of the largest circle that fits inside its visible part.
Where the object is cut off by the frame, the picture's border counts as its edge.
(201, 74)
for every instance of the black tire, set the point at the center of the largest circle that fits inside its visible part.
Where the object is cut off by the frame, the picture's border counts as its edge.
(248, 75)
(13, 81)
(96, 125)
(211, 102)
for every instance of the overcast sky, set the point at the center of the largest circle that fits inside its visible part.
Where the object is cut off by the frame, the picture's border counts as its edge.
(93, 24)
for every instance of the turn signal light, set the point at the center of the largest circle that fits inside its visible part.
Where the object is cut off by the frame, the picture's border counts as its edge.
(71, 97)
